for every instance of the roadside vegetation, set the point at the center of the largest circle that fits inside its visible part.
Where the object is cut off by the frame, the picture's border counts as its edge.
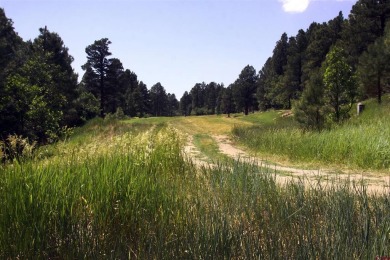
(361, 142)
(120, 189)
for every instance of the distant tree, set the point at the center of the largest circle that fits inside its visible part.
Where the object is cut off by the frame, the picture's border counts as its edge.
(185, 104)
(320, 38)
(198, 97)
(264, 83)
(227, 102)
(310, 110)
(172, 105)
(245, 88)
(97, 67)
(132, 94)
(143, 103)
(219, 93)
(159, 100)
(115, 86)
(211, 95)
(340, 84)
(293, 73)
(374, 67)
(279, 58)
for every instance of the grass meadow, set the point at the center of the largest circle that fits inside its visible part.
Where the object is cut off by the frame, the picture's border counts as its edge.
(125, 190)
(363, 142)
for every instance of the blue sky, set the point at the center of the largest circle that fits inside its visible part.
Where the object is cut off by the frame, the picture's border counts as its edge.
(177, 43)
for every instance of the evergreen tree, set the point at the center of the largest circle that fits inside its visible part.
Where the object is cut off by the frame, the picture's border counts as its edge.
(115, 86)
(292, 79)
(97, 67)
(198, 99)
(339, 81)
(211, 92)
(172, 105)
(227, 101)
(265, 78)
(245, 88)
(159, 100)
(133, 95)
(66, 80)
(279, 58)
(143, 103)
(374, 67)
(185, 104)
(12, 56)
(310, 110)
(366, 23)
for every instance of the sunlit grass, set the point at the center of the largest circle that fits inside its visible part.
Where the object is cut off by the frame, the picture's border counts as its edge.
(362, 142)
(117, 190)
(212, 125)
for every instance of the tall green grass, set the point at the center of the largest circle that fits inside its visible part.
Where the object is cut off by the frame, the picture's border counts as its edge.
(135, 195)
(362, 142)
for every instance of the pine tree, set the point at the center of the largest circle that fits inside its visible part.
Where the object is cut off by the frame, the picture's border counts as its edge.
(244, 89)
(340, 85)
(97, 66)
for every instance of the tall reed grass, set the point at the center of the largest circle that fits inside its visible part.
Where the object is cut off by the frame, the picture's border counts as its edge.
(138, 196)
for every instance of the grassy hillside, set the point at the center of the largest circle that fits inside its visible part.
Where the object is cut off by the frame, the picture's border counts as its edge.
(125, 190)
(362, 142)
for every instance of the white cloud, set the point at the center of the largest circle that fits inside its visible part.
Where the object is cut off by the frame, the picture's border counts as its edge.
(295, 6)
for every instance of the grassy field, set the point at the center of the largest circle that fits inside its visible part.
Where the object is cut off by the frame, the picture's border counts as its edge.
(361, 143)
(125, 190)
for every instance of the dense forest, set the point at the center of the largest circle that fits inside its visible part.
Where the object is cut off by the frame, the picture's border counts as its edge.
(319, 73)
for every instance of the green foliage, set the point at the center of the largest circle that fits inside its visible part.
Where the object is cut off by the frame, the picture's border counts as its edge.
(244, 90)
(310, 110)
(374, 68)
(33, 99)
(158, 100)
(64, 77)
(366, 23)
(340, 84)
(205, 99)
(185, 104)
(96, 69)
(227, 100)
(118, 115)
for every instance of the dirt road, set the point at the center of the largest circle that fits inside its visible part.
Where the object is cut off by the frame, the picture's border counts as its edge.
(283, 174)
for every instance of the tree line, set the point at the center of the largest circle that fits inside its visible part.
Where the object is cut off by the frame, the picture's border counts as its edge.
(319, 73)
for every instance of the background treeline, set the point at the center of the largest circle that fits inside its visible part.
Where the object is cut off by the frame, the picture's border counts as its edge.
(319, 73)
